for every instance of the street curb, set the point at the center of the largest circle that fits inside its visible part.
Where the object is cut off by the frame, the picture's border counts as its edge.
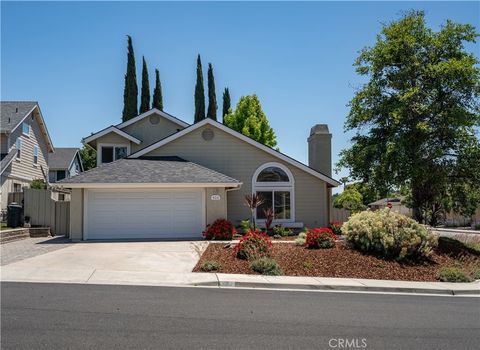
(343, 288)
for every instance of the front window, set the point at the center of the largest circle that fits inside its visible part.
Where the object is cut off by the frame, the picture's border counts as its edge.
(274, 183)
(25, 129)
(52, 176)
(35, 154)
(111, 153)
(18, 146)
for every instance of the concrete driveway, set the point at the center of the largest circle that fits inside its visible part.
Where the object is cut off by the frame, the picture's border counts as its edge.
(111, 263)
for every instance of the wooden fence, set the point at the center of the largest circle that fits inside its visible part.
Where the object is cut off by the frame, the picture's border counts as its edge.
(45, 211)
(339, 215)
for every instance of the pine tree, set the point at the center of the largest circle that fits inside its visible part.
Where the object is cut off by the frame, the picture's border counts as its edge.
(157, 92)
(130, 92)
(145, 97)
(226, 102)
(199, 94)
(212, 97)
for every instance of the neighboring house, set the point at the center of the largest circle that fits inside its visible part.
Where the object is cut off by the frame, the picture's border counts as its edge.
(64, 163)
(25, 146)
(159, 177)
(394, 203)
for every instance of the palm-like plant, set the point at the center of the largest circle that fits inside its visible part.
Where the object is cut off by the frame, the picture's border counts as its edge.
(253, 201)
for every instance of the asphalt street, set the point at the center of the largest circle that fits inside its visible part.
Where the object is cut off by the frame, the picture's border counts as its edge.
(75, 316)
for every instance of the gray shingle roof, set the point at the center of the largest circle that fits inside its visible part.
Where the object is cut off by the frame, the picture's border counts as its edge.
(7, 159)
(61, 158)
(150, 170)
(12, 112)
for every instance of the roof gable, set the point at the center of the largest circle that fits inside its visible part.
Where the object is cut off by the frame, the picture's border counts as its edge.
(240, 136)
(108, 130)
(63, 158)
(13, 113)
(149, 113)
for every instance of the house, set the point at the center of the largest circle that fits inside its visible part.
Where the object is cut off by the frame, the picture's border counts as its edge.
(159, 177)
(64, 163)
(25, 146)
(394, 203)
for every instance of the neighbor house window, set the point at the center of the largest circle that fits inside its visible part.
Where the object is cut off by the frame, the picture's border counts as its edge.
(111, 153)
(35, 154)
(18, 146)
(61, 197)
(52, 176)
(274, 183)
(25, 129)
(61, 174)
(17, 187)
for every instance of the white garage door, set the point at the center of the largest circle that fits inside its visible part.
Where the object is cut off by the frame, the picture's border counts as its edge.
(149, 213)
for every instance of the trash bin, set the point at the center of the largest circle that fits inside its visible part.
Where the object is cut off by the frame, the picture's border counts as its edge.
(14, 215)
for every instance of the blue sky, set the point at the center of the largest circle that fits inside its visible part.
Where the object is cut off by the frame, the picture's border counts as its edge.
(297, 57)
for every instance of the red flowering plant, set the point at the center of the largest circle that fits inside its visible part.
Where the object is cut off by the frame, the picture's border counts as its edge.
(320, 238)
(221, 229)
(253, 245)
(336, 227)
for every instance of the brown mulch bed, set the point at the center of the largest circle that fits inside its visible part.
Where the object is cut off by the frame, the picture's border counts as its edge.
(340, 261)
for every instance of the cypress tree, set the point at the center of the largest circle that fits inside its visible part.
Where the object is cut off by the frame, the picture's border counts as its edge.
(157, 92)
(212, 98)
(199, 94)
(130, 92)
(145, 97)
(226, 102)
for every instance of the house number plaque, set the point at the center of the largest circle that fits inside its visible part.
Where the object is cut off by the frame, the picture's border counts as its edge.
(215, 197)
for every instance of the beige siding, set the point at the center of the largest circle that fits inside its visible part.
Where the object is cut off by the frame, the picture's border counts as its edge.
(76, 214)
(7, 187)
(24, 167)
(149, 133)
(239, 160)
(216, 209)
(111, 138)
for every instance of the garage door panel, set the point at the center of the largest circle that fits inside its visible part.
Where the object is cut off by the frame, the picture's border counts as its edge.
(144, 214)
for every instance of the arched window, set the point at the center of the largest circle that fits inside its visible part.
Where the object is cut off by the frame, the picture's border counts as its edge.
(274, 183)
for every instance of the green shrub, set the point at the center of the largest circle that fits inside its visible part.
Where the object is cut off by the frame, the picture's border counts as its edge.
(253, 245)
(210, 266)
(477, 227)
(38, 184)
(281, 231)
(266, 266)
(389, 234)
(308, 265)
(244, 226)
(451, 245)
(453, 274)
(336, 227)
(476, 274)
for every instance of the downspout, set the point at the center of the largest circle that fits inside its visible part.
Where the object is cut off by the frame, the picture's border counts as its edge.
(232, 189)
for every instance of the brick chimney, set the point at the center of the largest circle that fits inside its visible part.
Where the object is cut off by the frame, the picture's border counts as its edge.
(320, 149)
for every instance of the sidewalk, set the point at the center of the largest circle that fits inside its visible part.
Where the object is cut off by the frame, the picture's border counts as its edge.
(157, 278)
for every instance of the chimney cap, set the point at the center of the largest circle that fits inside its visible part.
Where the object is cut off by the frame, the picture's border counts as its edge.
(319, 129)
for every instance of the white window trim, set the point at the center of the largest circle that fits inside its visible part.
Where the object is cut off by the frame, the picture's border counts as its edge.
(275, 186)
(29, 127)
(99, 150)
(35, 147)
(19, 141)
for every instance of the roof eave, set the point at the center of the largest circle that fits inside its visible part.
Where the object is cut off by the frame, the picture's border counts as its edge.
(148, 185)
